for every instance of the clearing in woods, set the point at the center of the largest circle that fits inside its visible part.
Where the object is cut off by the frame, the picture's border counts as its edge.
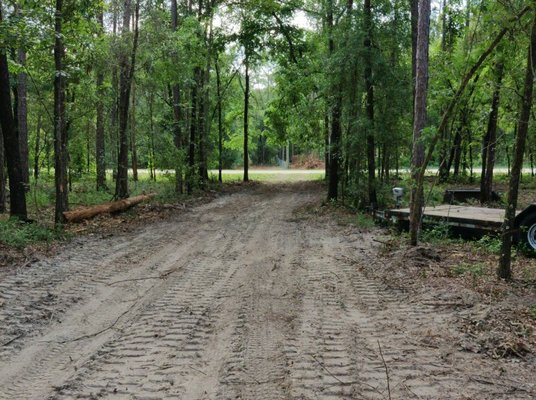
(240, 298)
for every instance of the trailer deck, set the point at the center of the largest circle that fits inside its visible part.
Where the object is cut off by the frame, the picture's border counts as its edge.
(481, 218)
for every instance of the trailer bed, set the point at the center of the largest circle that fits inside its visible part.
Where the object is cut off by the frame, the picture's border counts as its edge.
(462, 216)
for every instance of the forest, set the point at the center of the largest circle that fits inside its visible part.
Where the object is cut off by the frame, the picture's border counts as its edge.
(99, 95)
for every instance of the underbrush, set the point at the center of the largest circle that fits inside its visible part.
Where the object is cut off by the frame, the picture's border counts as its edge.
(20, 234)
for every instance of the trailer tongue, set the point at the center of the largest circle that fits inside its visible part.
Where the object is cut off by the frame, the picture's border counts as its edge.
(479, 219)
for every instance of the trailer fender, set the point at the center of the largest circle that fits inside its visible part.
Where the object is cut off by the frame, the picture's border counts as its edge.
(526, 222)
(530, 210)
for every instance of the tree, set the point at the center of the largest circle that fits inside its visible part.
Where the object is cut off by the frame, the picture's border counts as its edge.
(100, 141)
(336, 111)
(490, 139)
(369, 87)
(17, 187)
(126, 74)
(60, 126)
(507, 234)
(177, 112)
(2, 175)
(419, 118)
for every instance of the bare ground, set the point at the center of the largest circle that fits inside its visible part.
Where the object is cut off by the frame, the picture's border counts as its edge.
(240, 298)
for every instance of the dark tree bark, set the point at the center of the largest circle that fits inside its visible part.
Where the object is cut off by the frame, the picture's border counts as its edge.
(152, 167)
(177, 113)
(421, 91)
(504, 270)
(133, 147)
(414, 9)
(100, 152)
(22, 116)
(246, 118)
(2, 174)
(220, 122)
(336, 110)
(490, 140)
(369, 87)
(60, 131)
(326, 145)
(126, 74)
(193, 131)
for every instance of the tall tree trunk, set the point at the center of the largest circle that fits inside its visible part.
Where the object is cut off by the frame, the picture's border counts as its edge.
(2, 174)
(336, 110)
(100, 152)
(193, 131)
(22, 116)
(414, 9)
(421, 91)
(133, 148)
(369, 86)
(326, 144)
(246, 118)
(152, 166)
(504, 270)
(60, 132)
(220, 122)
(490, 140)
(114, 139)
(126, 73)
(177, 114)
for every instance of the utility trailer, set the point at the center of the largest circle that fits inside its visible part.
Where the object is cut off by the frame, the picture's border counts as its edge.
(472, 220)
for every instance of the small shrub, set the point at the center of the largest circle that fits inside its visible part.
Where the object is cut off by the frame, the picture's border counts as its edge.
(490, 244)
(20, 234)
(439, 232)
(467, 268)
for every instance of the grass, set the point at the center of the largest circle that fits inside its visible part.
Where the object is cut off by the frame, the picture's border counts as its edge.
(464, 268)
(19, 234)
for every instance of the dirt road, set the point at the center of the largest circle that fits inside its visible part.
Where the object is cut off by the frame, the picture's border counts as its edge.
(240, 298)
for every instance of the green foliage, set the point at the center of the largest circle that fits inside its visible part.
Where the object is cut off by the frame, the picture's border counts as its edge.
(436, 233)
(474, 270)
(21, 234)
(490, 244)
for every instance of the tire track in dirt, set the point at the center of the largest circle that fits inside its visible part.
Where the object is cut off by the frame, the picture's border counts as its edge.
(237, 299)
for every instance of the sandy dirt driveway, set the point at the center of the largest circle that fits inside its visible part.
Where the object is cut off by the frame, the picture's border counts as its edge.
(240, 298)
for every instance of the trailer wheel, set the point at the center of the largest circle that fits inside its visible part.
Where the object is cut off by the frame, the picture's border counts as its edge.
(528, 233)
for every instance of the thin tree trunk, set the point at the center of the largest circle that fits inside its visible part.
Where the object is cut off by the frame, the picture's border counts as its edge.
(336, 105)
(133, 148)
(220, 122)
(37, 149)
(369, 87)
(504, 270)
(421, 91)
(414, 9)
(115, 105)
(22, 116)
(2, 174)
(177, 114)
(100, 152)
(193, 132)
(126, 67)
(152, 166)
(246, 119)
(488, 151)
(60, 133)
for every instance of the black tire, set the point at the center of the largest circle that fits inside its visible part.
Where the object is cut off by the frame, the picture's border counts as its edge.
(527, 234)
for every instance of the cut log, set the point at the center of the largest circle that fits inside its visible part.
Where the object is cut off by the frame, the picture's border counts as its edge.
(81, 214)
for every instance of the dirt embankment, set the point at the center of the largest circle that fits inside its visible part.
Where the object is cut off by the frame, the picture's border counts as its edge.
(240, 298)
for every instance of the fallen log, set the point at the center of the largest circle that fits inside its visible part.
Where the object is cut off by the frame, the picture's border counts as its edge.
(83, 213)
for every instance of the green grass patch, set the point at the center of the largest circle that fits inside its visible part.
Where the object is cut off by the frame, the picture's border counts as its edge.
(20, 234)
(464, 268)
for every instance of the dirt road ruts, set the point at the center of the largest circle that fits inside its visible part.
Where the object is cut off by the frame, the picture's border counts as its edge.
(237, 299)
